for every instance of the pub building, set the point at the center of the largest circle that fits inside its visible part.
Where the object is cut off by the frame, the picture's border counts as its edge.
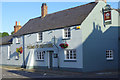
(83, 38)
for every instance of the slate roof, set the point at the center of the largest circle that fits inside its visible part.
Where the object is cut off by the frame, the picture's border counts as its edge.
(61, 19)
(6, 40)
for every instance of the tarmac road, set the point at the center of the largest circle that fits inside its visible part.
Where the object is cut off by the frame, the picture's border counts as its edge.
(19, 73)
(26, 74)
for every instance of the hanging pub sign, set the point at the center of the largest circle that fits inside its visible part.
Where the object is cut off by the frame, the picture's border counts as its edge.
(107, 15)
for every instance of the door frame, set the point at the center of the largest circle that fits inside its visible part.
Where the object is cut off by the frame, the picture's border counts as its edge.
(50, 59)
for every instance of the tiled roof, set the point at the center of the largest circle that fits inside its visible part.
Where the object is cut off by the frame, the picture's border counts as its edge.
(6, 40)
(61, 19)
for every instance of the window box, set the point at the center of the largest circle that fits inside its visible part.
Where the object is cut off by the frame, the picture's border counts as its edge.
(63, 45)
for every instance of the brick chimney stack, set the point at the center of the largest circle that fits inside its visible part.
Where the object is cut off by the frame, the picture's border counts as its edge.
(43, 10)
(17, 27)
(101, 0)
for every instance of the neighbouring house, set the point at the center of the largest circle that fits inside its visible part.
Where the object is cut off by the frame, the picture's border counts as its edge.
(84, 38)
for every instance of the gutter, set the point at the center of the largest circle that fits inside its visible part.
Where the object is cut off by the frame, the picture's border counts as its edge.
(24, 66)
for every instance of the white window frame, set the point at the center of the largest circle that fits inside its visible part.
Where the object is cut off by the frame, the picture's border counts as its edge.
(109, 54)
(9, 52)
(69, 50)
(39, 36)
(18, 40)
(40, 55)
(67, 33)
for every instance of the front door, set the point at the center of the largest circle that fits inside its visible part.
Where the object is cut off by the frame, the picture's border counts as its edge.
(50, 59)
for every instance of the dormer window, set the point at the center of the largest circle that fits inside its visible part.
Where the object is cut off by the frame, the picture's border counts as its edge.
(18, 40)
(67, 33)
(40, 36)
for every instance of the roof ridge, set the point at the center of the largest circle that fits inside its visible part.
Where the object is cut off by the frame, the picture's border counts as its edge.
(53, 20)
(64, 10)
(71, 8)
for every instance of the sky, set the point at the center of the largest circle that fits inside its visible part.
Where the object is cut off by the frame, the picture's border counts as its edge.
(23, 11)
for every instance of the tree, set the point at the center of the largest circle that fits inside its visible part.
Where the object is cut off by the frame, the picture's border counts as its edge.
(4, 34)
(12, 32)
(0, 34)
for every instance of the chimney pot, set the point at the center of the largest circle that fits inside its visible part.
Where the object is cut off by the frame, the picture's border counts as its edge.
(44, 9)
(16, 27)
(101, 0)
(16, 23)
(19, 23)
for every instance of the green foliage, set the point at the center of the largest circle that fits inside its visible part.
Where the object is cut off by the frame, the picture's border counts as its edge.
(12, 32)
(4, 34)
(0, 34)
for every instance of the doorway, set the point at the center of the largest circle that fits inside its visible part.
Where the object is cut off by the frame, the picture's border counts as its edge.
(50, 59)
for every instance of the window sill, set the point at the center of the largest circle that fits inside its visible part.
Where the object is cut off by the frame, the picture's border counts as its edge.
(70, 60)
(109, 59)
(17, 43)
(39, 42)
(39, 60)
(66, 39)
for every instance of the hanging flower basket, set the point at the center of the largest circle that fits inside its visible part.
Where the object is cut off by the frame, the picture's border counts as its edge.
(19, 50)
(63, 45)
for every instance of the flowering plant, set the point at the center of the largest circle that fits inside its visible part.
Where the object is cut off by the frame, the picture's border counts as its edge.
(63, 45)
(19, 50)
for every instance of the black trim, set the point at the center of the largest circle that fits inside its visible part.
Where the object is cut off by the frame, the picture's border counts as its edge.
(70, 60)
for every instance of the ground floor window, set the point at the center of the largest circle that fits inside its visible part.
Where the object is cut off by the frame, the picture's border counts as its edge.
(17, 56)
(70, 54)
(40, 55)
(9, 52)
(109, 54)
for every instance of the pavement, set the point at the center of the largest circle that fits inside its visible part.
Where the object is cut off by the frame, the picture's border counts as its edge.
(15, 72)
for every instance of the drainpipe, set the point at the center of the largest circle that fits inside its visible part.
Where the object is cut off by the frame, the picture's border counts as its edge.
(58, 52)
(24, 53)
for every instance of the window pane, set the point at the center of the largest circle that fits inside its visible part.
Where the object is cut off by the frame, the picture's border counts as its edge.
(74, 57)
(68, 35)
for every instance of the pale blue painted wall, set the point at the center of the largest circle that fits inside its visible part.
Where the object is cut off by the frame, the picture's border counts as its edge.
(74, 43)
(97, 38)
(12, 60)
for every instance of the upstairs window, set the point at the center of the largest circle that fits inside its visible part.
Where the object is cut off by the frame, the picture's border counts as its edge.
(109, 54)
(67, 33)
(70, 54)
(18, 40)
(40, 36)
